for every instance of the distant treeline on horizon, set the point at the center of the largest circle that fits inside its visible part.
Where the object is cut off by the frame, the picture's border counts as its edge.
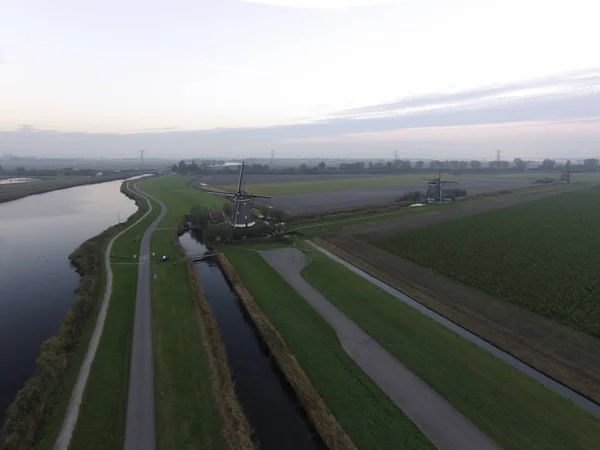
(39, 167)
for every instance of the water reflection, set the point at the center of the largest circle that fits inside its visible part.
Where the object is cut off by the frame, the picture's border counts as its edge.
(37, 234)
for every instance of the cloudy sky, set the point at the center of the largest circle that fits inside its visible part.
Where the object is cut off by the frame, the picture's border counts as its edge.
(193, 78)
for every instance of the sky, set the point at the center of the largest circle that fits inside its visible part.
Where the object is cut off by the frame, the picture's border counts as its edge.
(331, 78)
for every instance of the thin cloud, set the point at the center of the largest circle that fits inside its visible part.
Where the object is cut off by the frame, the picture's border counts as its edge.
(568, 110)
(162, 129)
(567, 82)
(323, 4)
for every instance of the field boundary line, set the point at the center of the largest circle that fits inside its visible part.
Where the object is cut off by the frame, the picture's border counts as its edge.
(66, 431)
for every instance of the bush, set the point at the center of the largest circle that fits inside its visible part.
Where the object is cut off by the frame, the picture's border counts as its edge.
(227, 208)
(544, 181)
(455, 193)
(413, 196)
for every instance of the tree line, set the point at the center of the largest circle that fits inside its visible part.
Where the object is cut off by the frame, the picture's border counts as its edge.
(516, 165)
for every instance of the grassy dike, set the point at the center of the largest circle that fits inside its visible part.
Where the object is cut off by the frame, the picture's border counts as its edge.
(37, 412)
(512, 409)
(296, 334)
(195, 401)
(101, 420)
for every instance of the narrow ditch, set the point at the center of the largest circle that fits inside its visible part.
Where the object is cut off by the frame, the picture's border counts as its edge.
(268, 400)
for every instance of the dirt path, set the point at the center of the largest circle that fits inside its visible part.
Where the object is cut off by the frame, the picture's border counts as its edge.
(68, 425)
(140, 432)
(447, 428)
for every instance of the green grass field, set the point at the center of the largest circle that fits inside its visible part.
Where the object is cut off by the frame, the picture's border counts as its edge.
(512, 409)
(333, 184)
(101, 422)
(186, 411)
(539, 255)
(387, 181)
(329, 226)
(367, 415)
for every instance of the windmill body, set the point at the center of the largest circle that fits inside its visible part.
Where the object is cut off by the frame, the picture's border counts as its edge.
(435, 187)
(243, 202)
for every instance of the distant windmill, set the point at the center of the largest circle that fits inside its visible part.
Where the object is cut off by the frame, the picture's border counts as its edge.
(243, 202)
(565, 177)
(435, 187)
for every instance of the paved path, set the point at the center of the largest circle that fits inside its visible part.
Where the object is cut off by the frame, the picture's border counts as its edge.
(66, 431)
(559, 388)
(140, 427)
(447, 428)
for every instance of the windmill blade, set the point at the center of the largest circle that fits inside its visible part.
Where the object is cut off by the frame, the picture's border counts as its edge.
(222, 194)
(259, 196)
(241, 176)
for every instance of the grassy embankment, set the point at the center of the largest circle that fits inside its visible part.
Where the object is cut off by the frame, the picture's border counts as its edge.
(540, 256)
(512, 409)
(9, 192)
(39, 408)
(195, 402)
(365, 413)
(101, 421)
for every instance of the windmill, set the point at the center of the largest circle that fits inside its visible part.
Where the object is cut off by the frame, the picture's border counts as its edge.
(565, 176)
(242, 204)
(435, 187)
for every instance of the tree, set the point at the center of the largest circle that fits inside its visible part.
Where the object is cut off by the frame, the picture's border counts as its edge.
(433, 165)
(174, 168)
(591, 164)
(519, 164)
(370, 165)
(419, 164)
(303, 168)
(388, 165)
(277, 214)
(322, 166)
(227, 208)
(475, 164)
(199, 216)
(548, 164)
(405, 165)
(182, 167)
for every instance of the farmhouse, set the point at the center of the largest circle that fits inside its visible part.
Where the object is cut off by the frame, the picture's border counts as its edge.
(216, 216)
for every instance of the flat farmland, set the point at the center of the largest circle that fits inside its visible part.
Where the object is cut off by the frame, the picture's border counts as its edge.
(310, 193)
(541, 256)
(336, 199)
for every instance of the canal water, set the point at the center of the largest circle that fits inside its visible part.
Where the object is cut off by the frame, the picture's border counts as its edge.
(268, 401)
(37, 282)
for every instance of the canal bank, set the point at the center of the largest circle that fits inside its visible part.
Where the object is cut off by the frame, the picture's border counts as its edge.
(37, 281)
(24, 187)
(268, 401)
